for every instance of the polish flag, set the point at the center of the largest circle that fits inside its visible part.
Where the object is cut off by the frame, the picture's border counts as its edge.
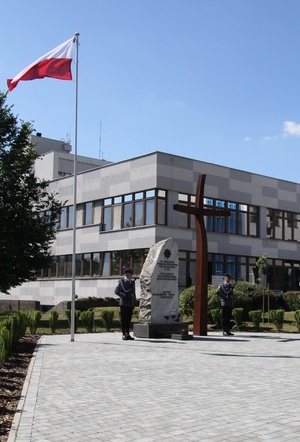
(54, 64)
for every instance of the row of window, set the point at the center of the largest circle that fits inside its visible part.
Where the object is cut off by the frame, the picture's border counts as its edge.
(149, 207)
(95, 264)
(99, 264)
(283, 225)
(243, 218)
(283, 274)
(131, 210)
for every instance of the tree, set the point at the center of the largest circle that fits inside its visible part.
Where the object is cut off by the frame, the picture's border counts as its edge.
(28, 210)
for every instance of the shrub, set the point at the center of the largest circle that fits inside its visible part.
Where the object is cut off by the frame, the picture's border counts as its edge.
(291, 301)
(246, 295)
(87, 318)
(187, 300)
(255, 316)
(76, 318)
(216, 314)
(213, 300)
(12, 327)
(93, 302)
(252, 297)
(277, 317)
(297, 319)
(34, 320)
(237, 314)
(5, 343)
(107, 316)
(22, 323)
(186, 303)
(53, 320)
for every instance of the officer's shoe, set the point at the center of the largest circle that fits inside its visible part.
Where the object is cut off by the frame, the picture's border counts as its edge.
(130, 338)
(125, 337)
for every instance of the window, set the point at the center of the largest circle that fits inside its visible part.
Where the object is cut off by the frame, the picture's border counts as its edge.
(149, 212)
(138, 213)
(96, 264)
(138, 260)
(283, 225)
(66, 217)
(106, 264)
(243, 219)
(107, 218)
(127, 215)
(186, 220)
(88, 213)
(70, 216)
(68, 265)
(116, 217)
(135, 210)
(161, 211)
(86, 264)
(61, 266)
(77, 265)
(116, 263)
(63, 218)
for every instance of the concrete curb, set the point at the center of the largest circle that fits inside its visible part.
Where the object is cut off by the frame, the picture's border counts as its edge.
(13, 432)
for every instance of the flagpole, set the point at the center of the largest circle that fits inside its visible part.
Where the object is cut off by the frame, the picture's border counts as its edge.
(73, 295)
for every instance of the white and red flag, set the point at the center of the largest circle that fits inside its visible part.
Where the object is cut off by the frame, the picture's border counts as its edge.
(54, 64)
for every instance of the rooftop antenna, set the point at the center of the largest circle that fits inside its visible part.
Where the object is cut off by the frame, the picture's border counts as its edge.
(100, 152)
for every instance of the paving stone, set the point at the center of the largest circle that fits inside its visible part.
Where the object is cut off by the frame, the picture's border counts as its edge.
(212, 389)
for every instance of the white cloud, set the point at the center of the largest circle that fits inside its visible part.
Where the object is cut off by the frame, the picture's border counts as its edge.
(247, 139)
(291, 129)
(266, 139)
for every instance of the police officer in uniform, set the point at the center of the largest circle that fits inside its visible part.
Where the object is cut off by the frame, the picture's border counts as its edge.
(225, 293)
(126, 292)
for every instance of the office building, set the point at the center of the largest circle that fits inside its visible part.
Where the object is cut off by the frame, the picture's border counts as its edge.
(125, 207)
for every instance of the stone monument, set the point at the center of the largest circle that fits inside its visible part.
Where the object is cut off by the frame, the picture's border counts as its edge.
(160, 315)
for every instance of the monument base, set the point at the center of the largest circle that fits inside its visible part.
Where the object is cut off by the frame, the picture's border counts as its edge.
(158, 330)
(182, 336)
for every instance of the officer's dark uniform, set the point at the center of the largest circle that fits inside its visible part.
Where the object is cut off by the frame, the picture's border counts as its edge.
(225, 292)
(126, 292)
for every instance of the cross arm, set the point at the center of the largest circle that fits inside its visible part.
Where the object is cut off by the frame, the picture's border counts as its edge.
(201, 211)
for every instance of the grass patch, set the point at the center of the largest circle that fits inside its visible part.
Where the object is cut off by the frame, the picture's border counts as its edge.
(62, 326)
(289, 325)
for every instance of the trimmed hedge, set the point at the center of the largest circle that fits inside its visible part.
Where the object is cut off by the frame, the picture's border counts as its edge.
(83, 304)
(88, 319)
(255, 316)
(277, 317)
(12, 328)
(297, 319)
(291, 301)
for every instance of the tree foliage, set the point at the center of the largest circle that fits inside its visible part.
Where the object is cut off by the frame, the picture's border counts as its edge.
(28, 211)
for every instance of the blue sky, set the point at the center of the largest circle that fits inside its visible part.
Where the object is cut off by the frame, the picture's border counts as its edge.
(213, 80)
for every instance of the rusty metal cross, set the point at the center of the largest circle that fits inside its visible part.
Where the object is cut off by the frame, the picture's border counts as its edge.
(201, 282)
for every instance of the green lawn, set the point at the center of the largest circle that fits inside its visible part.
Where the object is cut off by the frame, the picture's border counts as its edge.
(64, 328)
(289, 325)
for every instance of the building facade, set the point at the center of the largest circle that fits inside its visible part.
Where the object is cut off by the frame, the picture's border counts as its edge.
(123, 208)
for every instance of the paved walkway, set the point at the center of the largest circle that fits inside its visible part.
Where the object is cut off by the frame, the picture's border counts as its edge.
(214, 388)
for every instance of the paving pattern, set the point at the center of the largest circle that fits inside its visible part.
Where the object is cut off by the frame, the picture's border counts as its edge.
(212, 388)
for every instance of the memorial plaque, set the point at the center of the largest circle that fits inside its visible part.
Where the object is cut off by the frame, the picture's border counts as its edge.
(159, 299)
